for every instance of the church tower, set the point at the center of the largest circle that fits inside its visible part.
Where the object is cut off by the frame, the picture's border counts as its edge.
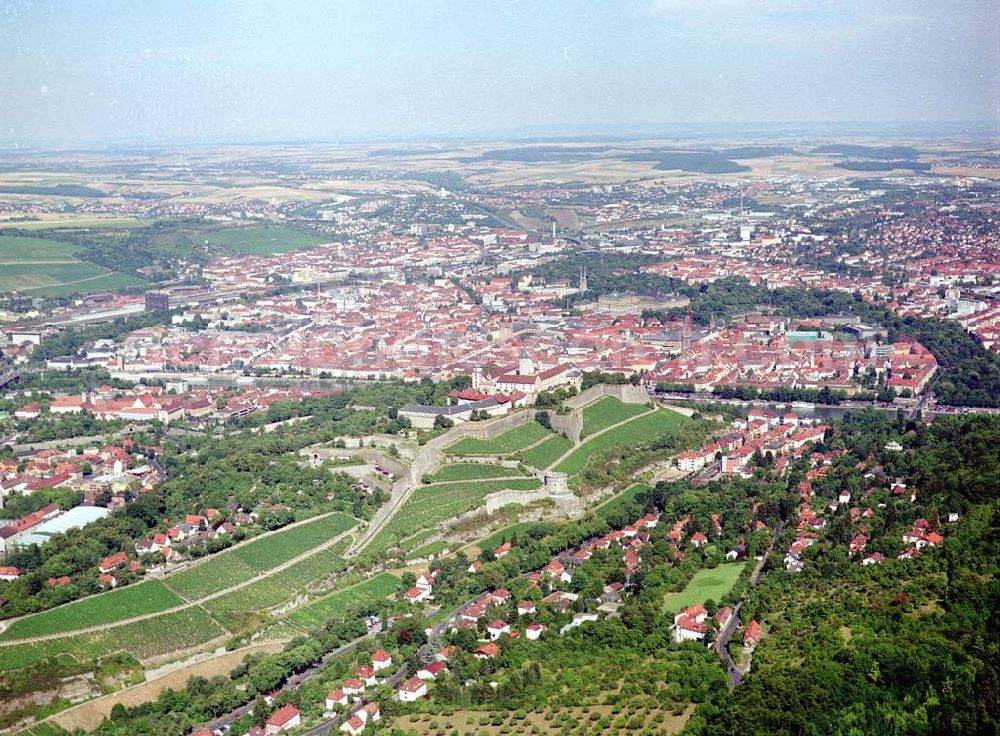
(583, 279)
(525, 366)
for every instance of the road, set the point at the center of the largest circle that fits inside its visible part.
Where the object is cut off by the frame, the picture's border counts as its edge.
(721, 645)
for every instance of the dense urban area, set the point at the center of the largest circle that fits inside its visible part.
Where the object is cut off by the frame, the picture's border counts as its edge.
(512, 438)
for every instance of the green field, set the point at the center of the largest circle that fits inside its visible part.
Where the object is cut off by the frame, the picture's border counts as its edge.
(262, 241)
(257, 556)
(607, 411)
(337, 604)
(428, 549)
(18, 249)
(94, 223)
(472, 471)
(135, 600)
(44, 267)
(544, 454)
(706, 584)
(505, 443)
(639, 431)
(431, 504)
(235, 609)
(498, 537)
(145, 639)
(622, 499)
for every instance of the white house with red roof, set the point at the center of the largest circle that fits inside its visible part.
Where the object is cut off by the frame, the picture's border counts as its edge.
(412, 690)
(497, 628)
(381, 660)
(285, 718)
(689, 624)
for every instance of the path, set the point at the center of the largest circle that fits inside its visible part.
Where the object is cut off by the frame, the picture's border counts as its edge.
(190, 603)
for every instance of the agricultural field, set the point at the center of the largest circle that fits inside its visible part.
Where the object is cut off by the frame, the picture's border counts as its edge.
(262, 241)
(117, 605)
(434, 503)
(20, 249)
(337, 604)
(608, 411)
(45, 267)
(260, 555)
(234, 610)
(42, 729)
(636, 432)
(95, 223)
(545, 453)
(472, 471)
(622, 499)
(144, 639)
(505, 443)
(706, 584)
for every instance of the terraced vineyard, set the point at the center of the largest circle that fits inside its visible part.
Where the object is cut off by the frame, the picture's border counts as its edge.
(472, 471)
(608, 411)
(639, 431)
(543, 455)
(434, 503)
(248, 560)
(135, 600)
(337, 604)
(42, 729)
(151, 637)
(505, 443)
(428, 549)
(235, 609)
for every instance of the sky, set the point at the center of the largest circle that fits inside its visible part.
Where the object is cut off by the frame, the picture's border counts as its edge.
(164, 71)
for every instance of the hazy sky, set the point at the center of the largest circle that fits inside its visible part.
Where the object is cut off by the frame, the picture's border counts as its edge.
(185, 70)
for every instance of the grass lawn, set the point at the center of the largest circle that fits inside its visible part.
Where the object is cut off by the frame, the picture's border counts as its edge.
(506, 443)
(429, 505)
(622, 499)
(639, 431)
(543, 455)
(338, 603)
(472, 471)
(705, 585)
(135, 600)
(607, 411)
(262, 241)
(232, 566)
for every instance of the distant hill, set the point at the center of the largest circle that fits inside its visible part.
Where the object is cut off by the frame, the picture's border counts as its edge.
(899, 152)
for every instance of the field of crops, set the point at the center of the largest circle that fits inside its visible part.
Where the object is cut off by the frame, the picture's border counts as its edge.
(257, 556)
(262, 241)
(543, 455)
(505, 443)
(622, 499)
(231, 609)
(607, 411)
(42, 729)
(639, 431)
(472, 471)
(62, 279)
(135, 600)
(434, 503)
(337, 604)
(151, 637)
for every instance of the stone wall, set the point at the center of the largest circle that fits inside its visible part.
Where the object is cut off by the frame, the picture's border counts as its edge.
(570, 425)
(625, 392)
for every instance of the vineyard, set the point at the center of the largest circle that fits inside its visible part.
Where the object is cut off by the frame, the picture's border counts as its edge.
(235, 610)
(472, 471)
(118, 605)
(506, 443)
(432, 504)
(544, 454)
(639, 431)
(258, 556)
(337, 604)
(621, 500)
(42, 729)
(144, 639)
(608, 411)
